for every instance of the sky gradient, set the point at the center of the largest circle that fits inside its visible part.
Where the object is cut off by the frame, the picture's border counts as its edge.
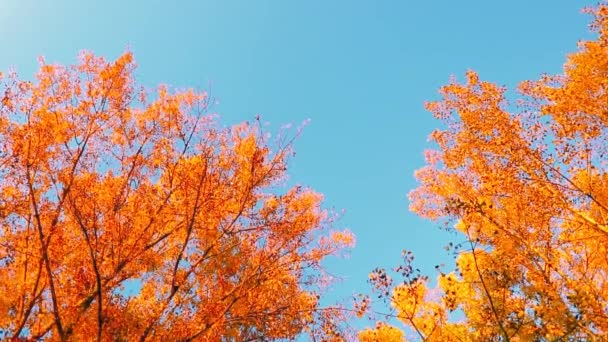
(359, 70)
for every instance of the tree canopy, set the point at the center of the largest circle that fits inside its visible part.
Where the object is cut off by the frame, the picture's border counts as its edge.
(524, 184)
(126, 218)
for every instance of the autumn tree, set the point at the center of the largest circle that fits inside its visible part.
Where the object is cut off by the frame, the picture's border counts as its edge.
(124, 218)
(525, 185)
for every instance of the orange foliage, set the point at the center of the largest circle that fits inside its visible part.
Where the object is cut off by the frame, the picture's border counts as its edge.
(527, 190)
(103, 191)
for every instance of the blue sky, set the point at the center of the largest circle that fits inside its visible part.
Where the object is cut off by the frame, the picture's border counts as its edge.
(359, 70)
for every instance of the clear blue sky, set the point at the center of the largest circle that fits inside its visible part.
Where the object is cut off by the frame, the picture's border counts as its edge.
(360, 70)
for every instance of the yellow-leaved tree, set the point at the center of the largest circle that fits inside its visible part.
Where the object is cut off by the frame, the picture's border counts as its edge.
(124, 218)
(526, 186)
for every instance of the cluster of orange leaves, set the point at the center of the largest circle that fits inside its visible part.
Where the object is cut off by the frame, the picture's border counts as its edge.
(125, 219)
(526, 186)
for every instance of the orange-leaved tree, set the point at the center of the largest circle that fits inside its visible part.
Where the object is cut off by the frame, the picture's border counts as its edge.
(526, 186)
(124, 218)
